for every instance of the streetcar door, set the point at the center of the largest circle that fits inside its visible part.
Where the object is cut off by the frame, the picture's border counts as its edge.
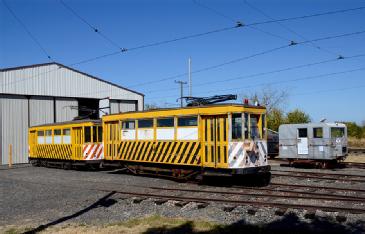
(77, 143)
(302, 141)
(214, 141)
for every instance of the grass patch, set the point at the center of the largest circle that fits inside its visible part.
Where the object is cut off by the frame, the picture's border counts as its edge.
(149, 224)
(356, 142)
(156, 221)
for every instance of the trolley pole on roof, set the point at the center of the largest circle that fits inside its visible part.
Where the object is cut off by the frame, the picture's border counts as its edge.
(190, 81)
(181, 90)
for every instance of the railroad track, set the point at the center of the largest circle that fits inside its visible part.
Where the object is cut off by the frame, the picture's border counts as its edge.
(356, 150)
(284, 205)
(318, 175)
(247, 196)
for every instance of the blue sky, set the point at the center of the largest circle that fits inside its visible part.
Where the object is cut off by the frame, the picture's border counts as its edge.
(135, 23)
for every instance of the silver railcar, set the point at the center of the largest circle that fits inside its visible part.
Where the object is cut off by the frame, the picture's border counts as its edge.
(313, 141)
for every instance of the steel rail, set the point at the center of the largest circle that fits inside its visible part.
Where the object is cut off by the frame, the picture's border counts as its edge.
(239, 202)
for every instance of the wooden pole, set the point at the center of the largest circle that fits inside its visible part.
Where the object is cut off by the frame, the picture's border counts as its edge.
(10, 155)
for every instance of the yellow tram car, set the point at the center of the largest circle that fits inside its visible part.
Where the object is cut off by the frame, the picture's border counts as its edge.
(202, 140)
(76, 142)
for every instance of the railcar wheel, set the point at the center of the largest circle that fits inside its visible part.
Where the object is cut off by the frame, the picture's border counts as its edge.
(264, 179)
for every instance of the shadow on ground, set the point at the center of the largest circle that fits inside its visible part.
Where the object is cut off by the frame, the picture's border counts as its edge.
(288, 224)
(105, 201)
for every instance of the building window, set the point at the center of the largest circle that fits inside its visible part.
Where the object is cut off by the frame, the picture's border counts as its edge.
(317, 132)
(145, 123)
(236, 126)
(166, 122)
(187, 121)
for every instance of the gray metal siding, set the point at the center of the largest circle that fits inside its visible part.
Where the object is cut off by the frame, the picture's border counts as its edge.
(114, 107)
(14, 128)
(52, 80)
(125, 106)
(41, 110)
(64, 112)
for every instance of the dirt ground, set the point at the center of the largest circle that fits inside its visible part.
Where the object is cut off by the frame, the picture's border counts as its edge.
(359, 158)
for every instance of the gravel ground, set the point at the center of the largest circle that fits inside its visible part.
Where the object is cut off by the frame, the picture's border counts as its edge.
(35, 196)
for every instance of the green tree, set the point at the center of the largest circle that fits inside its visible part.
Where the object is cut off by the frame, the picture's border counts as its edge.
(354, 130)
(151, 106)
(297, 116)
(275, 118)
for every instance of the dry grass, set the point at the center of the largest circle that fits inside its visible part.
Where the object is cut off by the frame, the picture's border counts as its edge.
(354, 142)
(151, 223)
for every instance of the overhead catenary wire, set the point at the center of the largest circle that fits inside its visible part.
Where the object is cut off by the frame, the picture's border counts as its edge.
(30, 34)
(95, 29)
(329, 90)
(230, 19)
(237, 25)
(244, 77)
(248, 57)
(279, 82)
(286, 27)
(217, 65)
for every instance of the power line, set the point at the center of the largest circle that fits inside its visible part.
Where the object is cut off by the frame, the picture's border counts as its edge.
(284, 81)
(298, 79)
(330, 90)
(216, 12)
(157, 44)
(30, 34)
(238, 25)
(244, 77)
(249, 57)
(95, 29)
(285, 27)
(221, 64)
(307, 16)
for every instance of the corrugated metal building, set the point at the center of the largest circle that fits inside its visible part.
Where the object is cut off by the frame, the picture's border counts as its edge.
(47, 93)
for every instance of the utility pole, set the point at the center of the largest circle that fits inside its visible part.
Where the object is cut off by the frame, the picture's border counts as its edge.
(190, 81)
(181, 90)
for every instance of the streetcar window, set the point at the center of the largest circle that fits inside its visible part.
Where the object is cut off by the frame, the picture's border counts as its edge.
(187, 121)
(66, 132)
(236, 126)
(254, 123)
(246, 125)
(57, 136)
(48, 136)
(337, 132)
(263, 127)
(302, 133)
(95, 139)
(66, 138)
(40, 137)
(145, 123)
(87, 134)
(100, 134)
(317, 132)
(166, 122)
(128, 124)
